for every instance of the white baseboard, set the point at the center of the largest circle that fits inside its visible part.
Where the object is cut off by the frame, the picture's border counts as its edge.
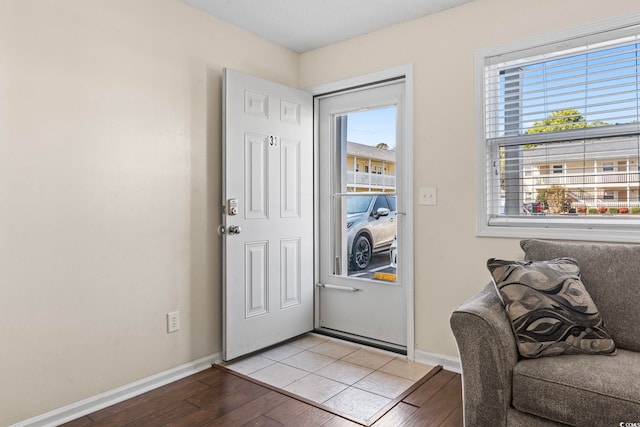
(111, 397)
(448, 362)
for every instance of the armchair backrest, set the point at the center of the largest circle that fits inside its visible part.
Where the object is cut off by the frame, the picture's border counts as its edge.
(610, 273)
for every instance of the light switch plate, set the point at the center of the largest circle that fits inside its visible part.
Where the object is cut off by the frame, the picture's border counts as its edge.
(428, 196)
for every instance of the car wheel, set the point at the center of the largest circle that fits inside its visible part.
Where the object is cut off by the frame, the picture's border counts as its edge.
(361, 254)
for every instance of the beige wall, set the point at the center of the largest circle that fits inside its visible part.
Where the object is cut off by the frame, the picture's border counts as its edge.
(110, 191)
(450, 260)
(110, 176)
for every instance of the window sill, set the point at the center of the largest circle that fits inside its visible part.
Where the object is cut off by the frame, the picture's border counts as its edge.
(589, 228)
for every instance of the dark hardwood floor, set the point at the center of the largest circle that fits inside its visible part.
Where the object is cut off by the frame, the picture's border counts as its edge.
(216, 397)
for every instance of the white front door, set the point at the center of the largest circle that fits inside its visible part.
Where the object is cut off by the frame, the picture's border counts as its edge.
(362, 207)
(268, 216)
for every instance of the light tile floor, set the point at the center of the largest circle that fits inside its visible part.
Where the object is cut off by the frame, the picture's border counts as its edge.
(349, 378)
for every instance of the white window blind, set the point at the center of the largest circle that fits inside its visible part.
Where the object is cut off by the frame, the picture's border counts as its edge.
(561, 133)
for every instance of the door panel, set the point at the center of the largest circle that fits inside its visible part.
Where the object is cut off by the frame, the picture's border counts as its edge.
(256, 279)
(290, 179)
(256, 176)
(290, 257)
(268, 170)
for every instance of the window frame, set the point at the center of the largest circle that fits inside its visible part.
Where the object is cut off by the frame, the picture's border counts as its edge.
(609, 229)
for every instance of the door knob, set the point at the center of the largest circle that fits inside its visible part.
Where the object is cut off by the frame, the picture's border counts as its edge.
(233, 229)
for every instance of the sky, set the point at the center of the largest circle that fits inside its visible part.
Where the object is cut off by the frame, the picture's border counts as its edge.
(602, 85)
(373, 126)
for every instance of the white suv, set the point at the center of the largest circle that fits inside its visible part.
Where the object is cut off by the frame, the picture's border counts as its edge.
(371, 227)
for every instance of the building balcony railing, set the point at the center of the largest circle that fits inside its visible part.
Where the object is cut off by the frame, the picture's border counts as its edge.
(370, 180)
(586, 179)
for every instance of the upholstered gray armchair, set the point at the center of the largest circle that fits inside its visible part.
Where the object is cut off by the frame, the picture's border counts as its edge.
(500, 388)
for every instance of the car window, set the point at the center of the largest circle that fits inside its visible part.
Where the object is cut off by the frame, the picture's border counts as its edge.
(392, 203)
(358, 204)
(381, 202)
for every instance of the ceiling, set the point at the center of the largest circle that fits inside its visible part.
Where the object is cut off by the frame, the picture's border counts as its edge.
(303, 25)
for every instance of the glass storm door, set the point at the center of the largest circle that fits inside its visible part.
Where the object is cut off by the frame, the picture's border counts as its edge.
(361, 294)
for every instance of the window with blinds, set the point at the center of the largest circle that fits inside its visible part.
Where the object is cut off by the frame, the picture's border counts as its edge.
(562, 133)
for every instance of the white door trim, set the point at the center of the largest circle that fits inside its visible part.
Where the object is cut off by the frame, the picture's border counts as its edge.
(405, 262)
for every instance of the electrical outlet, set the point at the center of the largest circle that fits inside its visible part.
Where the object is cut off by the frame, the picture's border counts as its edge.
(173, 321)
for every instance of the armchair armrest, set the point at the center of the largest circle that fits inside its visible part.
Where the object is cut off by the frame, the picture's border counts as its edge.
(488, 354)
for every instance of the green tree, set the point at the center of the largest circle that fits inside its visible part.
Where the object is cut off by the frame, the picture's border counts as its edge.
(560, 120)
(382, 145)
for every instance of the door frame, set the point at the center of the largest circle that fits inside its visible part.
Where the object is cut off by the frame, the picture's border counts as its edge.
(405, 163)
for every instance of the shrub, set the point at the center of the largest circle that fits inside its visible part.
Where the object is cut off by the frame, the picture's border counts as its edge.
(557, 199)
(582, 209)
(593, 211)
(602, 210)
(635, 211)
(623, 210)
(613, 210)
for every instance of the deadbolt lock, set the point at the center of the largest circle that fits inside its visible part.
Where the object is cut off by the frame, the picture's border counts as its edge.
(232, 207)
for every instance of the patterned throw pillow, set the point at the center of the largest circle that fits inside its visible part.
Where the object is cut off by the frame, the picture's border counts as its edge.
(550, 310)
